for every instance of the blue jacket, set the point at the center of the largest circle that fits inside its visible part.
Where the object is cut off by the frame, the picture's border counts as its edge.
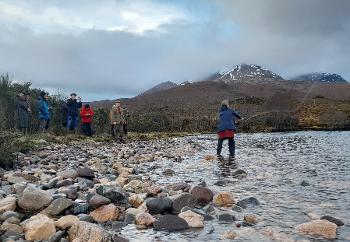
(43, 107)
(73, 107)
(226, 120)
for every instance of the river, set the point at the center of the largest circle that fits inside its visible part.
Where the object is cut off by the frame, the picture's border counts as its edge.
(276, 164)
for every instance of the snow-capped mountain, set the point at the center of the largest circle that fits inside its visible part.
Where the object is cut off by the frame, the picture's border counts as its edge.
(245, 72)
(320, 77)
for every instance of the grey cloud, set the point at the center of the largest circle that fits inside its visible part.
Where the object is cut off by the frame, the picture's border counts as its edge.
(289, 37)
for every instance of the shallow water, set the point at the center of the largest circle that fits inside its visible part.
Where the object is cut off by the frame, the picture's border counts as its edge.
(276, 164)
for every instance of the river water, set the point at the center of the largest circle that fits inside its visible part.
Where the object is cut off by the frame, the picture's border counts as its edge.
(276, 164)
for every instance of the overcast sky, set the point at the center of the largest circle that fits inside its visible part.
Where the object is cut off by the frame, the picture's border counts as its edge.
(105, 49)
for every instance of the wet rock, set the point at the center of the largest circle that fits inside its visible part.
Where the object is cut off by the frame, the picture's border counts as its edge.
(223, 199)
(237, 208)
(250, 219)
(333, 220)
(318, 227)
(226, 218)
(105, 213)
(159, 205)
(202, 194)
(193, 219)
(66, 221)
(145, 219)
(183, 200)
(58, 206)
(202, 213)
(98, 200)
(86, 172)
(69, 173)
(119, 238)
(239, 174)
(168, 172)
(118, 225)
(39, 227)
(8, 204)
(170, 223)
(244, 203)
(34, 199)
(220, 183)
(115, 194)
(304, 183)
(229, 235)
(84, 231)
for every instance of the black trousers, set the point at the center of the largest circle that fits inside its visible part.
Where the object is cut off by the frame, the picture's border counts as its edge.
(87, 129)
(231, 145)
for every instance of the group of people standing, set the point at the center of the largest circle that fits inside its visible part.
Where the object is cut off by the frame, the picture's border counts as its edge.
(70, 112)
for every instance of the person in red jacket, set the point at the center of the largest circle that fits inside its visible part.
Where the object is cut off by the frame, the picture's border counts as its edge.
(86, 115)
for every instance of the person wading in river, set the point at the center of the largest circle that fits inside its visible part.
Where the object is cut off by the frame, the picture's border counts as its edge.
(227, 128)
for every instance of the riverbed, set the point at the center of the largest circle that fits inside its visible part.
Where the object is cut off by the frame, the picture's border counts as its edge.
(277, 164)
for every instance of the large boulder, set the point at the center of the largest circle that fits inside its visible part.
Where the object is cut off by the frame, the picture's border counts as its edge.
(8, 204)
(183, 200)
(248, 202)
(105, 213)
(34, 199)
(58, 206)
(318, 227)
(170, 223)
(193, 219)
(98, 200)
(159, 205)
(223, 199)
(39, 227)
(144, 219)
(202, 194)
(88, 232)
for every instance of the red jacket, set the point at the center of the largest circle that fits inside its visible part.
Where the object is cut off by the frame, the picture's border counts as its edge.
(86, 115)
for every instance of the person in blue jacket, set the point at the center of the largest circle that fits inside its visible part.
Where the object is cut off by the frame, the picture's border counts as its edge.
(73, 106)
(227, 128)
(44, 111)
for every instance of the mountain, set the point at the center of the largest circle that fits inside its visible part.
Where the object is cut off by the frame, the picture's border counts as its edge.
(160, 87)
(245, 72)
(321, 77)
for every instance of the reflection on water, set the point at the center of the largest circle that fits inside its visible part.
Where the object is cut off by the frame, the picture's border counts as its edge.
(276, 164)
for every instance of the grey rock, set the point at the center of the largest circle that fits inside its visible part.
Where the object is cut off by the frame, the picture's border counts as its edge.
(170, 223)
(251, 201)
(183, 200)
(159, 205)
(333, 220)
(58, 206)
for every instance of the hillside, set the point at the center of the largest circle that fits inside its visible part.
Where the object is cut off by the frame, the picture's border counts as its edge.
(264, 98)
(160, 87)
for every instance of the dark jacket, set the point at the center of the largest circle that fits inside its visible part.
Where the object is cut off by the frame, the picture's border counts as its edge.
(43, 108)
(22, 113)
(73, 107)
(226, 119)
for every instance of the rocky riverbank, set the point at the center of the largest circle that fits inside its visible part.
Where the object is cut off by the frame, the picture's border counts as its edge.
(90, 191)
